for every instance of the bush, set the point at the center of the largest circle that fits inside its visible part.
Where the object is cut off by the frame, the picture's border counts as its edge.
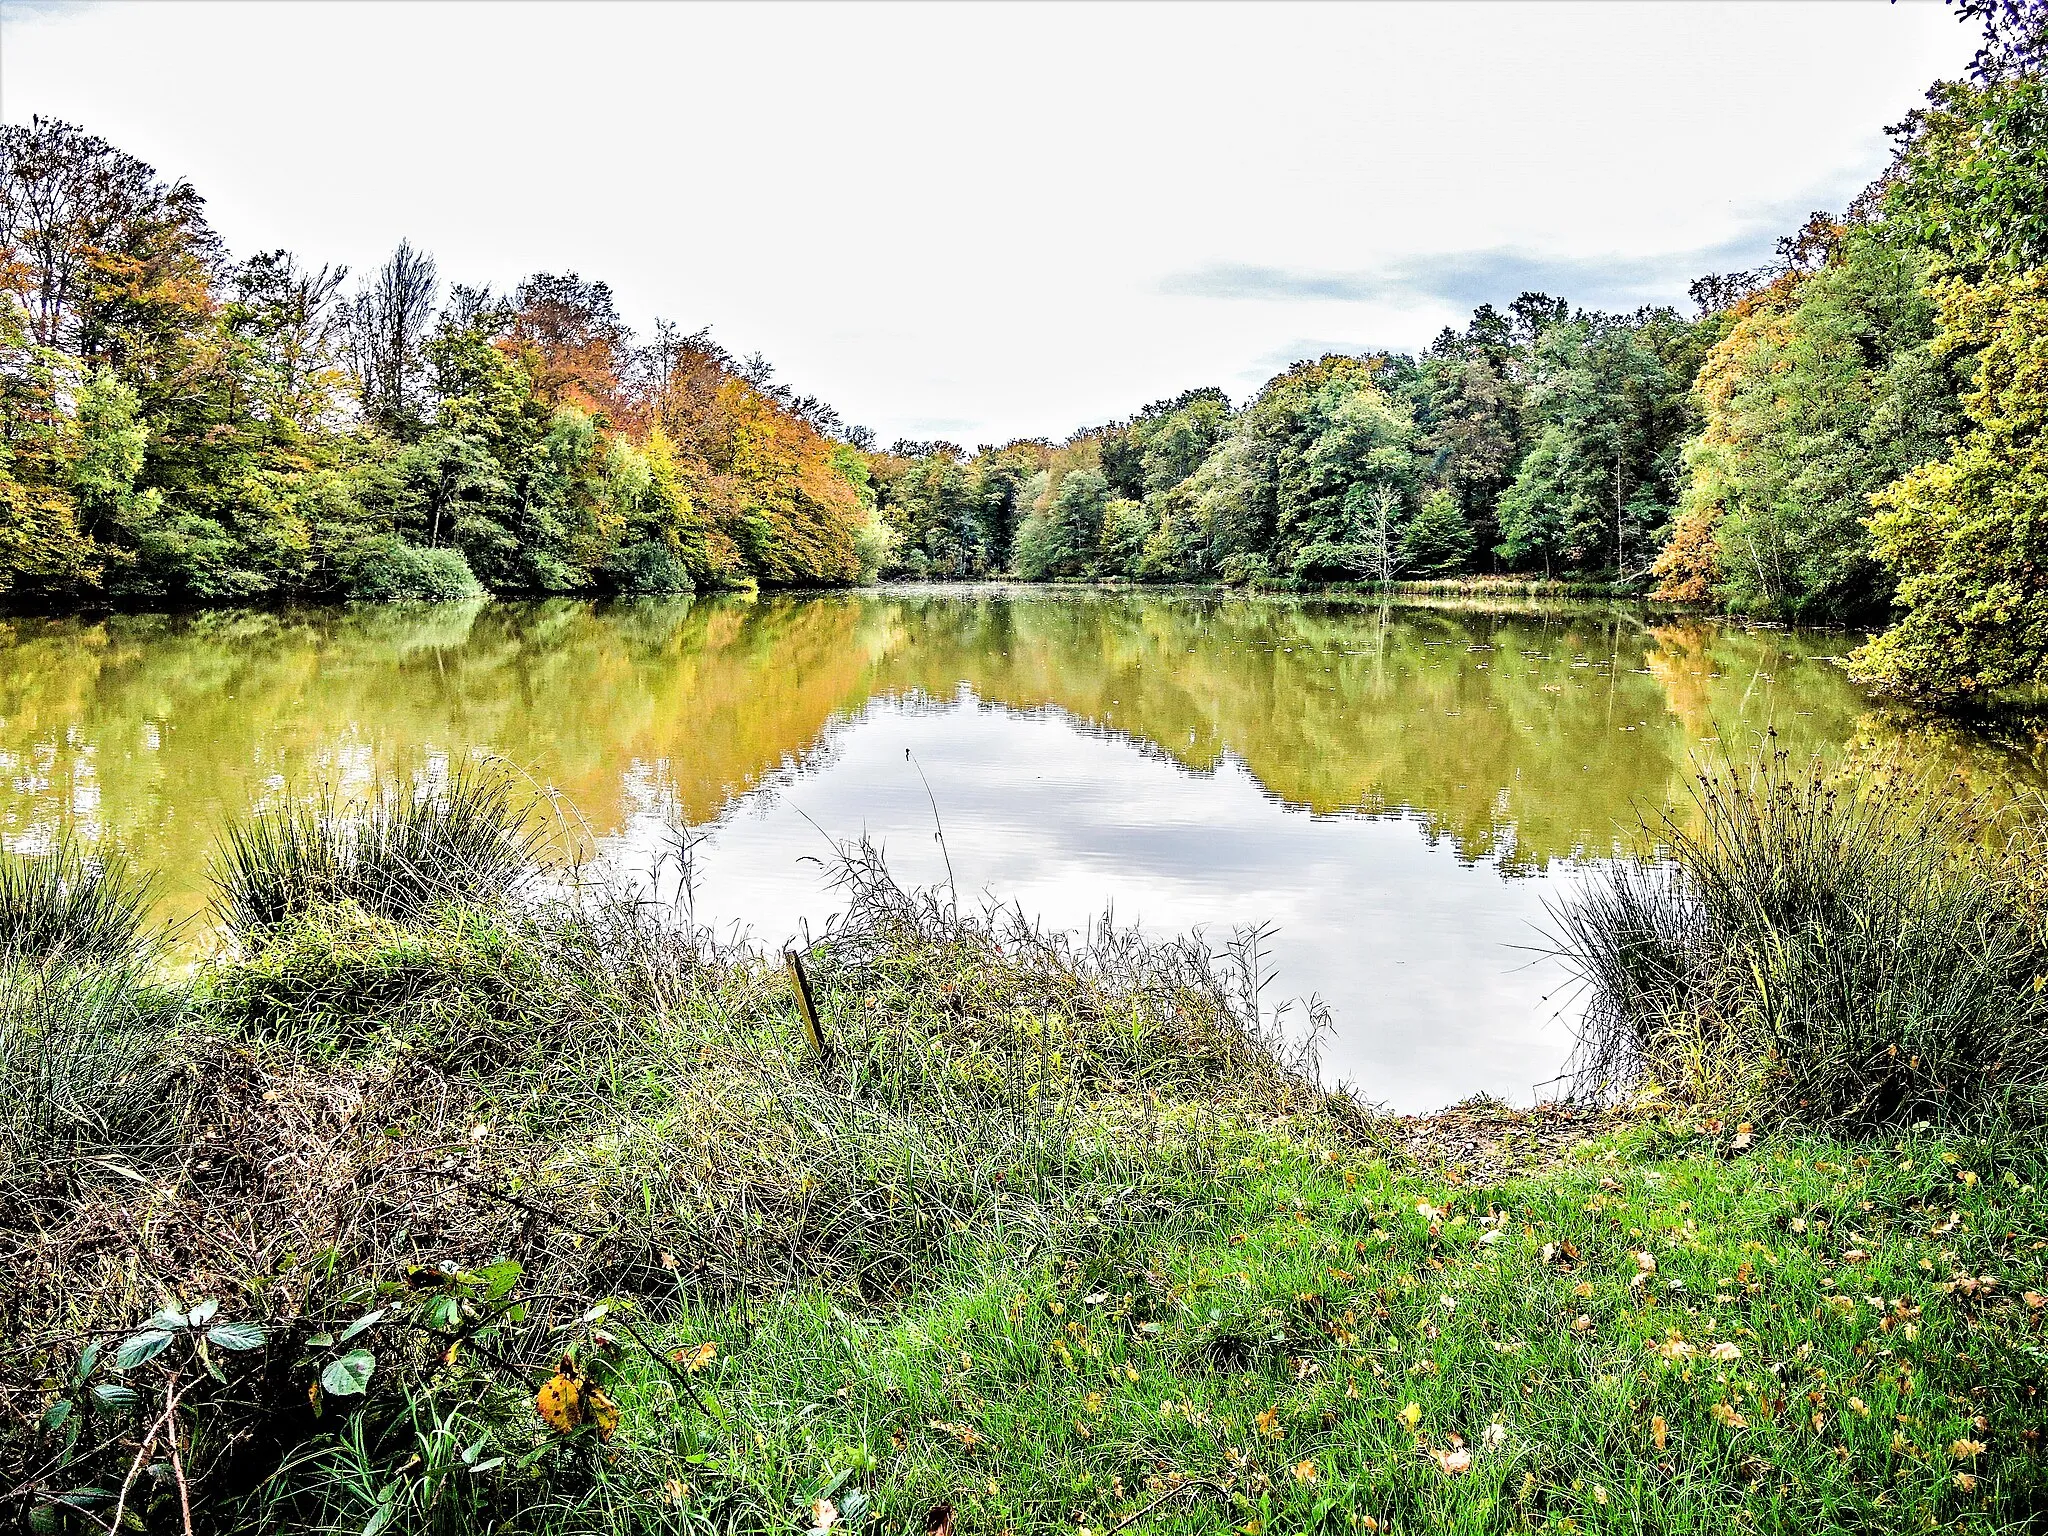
(647, 569)
(63, 903)
(1244, 570)
(1810, 954)
(389, 570)
(402, 857)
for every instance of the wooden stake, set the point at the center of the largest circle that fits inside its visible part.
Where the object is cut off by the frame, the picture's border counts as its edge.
(801, 984)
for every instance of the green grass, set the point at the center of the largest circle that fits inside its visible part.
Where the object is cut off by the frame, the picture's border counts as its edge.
(1304, 1346)
(399, 856)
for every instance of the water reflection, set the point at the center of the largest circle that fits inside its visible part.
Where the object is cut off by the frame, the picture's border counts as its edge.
(1365, 776)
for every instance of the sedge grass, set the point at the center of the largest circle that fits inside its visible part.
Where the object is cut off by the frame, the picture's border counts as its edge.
(1813, 953)
(401, 856)
(66, 904)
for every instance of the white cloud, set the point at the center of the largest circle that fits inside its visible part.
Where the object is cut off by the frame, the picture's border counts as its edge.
(996, 219)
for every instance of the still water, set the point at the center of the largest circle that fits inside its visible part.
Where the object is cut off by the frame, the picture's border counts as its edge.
(1399, 790)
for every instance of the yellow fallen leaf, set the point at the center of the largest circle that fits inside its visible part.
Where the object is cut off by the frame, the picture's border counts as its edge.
(1268, 1423)
(560, 1402)
(1412, 1415)
(1965, 1450)
(1725, 1414)
(1659, 1431)
(1305, 1472)
(601, 1412)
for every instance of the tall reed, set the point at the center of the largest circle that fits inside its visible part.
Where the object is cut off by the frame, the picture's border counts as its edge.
(1811, 953)
(402, 856)
(64, 902)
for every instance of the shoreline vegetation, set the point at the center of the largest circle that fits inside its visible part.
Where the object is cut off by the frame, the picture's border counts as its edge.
(1851, 432)
(455, 1193)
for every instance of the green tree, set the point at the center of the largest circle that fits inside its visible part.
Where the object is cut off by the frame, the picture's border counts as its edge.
(1065, 537)
(1967, 535)
(1607, 404)
(1822, 392)
(1438, 540)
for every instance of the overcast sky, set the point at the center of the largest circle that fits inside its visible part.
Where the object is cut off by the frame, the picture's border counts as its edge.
(986, 221)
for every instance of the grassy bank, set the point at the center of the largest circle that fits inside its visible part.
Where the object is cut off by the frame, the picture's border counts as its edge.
(447, 1199)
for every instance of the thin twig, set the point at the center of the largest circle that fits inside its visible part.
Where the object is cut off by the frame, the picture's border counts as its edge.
(682, 1380)
(1173, 1492)
(184, 1493)
(142, 1451)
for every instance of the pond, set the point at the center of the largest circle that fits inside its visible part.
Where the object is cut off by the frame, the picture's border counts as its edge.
(1397, 790)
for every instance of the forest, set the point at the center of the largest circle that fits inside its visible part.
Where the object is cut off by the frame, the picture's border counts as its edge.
(1851, 433)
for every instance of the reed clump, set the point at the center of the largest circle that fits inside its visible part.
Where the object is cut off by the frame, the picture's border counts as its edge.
(1807, 952)
(63, 903)
(400, 856)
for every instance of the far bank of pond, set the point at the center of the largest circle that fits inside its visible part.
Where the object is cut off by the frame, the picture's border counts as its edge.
(1397, 788)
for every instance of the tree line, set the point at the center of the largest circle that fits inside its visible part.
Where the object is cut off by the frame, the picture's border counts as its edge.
(180, 427)
(1852, 432)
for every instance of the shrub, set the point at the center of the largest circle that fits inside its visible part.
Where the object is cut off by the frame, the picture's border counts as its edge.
(389, 570)
(401, 857)
(1806, 953)
(65, 903)
(649, 568)
(1243, 570)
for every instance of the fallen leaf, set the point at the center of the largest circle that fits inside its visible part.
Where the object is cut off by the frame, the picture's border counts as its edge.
(1725, 1414)
(600, 1411)
(1726, 1351)
(824, 1515)
(1452, 1463)
(560, 1402)
(1305, 1472)
(1659, 1432)
(1412, 1416)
